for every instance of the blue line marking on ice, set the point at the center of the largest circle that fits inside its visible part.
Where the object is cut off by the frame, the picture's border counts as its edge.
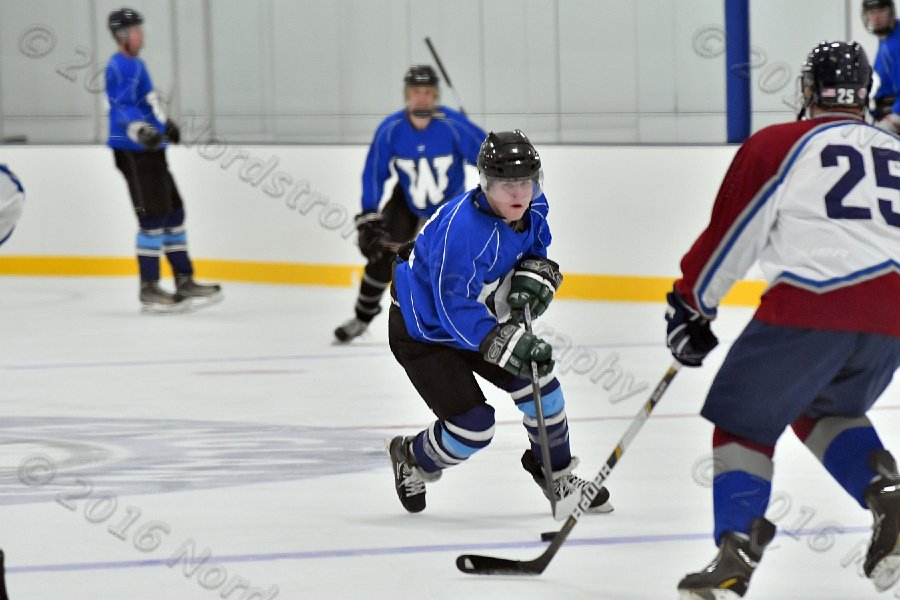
(395, 550)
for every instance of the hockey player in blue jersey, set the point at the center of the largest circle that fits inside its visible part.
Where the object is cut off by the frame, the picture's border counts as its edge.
(455, 313)
(426, 146)
(138, 135)
(880, 18)
(12, 201)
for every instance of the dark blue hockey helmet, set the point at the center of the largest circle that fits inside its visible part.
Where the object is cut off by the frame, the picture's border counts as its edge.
(123, 18)
(837, 74)
(418, 75)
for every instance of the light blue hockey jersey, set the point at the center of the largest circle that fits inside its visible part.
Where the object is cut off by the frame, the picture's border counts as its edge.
(459, 258)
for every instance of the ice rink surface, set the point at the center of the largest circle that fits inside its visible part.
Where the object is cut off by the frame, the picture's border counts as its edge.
(235, 453)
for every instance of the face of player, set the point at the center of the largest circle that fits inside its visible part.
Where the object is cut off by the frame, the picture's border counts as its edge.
(511, 198)
(421, 99)
(132, 42)
(879, 19)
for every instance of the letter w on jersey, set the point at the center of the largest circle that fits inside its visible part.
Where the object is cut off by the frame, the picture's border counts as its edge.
(427, 183)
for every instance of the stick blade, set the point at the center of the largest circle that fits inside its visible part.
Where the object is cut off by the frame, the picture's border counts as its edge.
(475, 564)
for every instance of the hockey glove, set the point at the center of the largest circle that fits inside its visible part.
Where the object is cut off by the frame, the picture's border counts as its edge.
(511, 347)
(688, 334)
(145, 134)
(173, 133)
(534, 281)
(372, 233)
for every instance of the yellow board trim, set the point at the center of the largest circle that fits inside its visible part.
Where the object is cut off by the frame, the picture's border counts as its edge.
(576, 286)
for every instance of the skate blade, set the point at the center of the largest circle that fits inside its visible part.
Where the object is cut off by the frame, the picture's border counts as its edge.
(565, 507)
(196, 303)
(886, 573)
(603, 509)
(708, 595)
(165, 309)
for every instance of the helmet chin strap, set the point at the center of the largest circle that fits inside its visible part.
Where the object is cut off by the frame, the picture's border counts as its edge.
(422, 113)
(806, 104)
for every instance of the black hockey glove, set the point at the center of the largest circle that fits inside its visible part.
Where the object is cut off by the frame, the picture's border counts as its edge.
(145, 134)
(534, 281)
(688, 334)
(173, 133)
(372, 233)
(511, 347)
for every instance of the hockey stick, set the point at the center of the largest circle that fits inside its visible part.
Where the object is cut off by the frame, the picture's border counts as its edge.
(543, 438)
(475, 564)
(437, 59)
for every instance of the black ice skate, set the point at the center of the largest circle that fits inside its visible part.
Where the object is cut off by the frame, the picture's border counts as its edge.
(728, 575)
(156, 300)
(882, 564)
(567, 488)
(409, 479)
(199, 294)
(349, 330)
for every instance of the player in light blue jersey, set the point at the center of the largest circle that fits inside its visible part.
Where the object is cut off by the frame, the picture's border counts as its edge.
(423, 148)
(138, 135)
(456, 312)
(12, 201)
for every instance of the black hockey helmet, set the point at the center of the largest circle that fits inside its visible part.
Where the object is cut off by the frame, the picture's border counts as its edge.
(868, 5)
(123, 18)
(838, 75)
(509, 156)
(420, 75)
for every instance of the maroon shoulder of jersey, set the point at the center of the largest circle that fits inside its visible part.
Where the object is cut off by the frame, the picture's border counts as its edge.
(756, 165)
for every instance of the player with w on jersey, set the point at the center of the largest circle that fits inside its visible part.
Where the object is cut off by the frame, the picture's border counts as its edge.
(817, 203)
(425, 145)
(458, 303)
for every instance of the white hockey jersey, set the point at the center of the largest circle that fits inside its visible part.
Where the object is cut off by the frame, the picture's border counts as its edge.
(818, 204)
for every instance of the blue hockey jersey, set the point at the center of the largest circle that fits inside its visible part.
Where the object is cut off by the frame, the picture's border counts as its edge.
(428, 162)
(887, 66)
(459, 258)
(131, 98)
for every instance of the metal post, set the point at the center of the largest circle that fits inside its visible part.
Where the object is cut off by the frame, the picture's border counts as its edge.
(737, 65)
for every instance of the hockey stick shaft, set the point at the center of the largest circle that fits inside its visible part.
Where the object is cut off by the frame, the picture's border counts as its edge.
(543, 438)
(437, 60)
(474, 564)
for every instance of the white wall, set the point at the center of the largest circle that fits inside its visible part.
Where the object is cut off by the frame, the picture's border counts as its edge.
(307, 71)
(614, 210)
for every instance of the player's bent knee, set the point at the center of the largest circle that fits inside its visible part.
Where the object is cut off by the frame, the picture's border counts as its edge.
(451, 441)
